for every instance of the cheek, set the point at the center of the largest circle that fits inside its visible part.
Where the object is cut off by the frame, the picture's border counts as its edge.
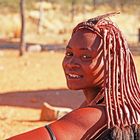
(64, 64)
(88, 74)
(97, 72)
(97, 65)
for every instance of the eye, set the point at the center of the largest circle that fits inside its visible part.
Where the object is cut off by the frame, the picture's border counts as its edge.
(86, 56)
(68, 54)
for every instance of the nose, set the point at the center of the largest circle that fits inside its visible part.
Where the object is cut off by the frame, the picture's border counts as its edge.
(73, 63)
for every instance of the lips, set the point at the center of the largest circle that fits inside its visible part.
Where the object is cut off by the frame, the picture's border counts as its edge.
(74, 76)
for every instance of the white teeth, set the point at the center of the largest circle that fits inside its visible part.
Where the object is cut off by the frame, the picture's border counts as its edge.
(74, 76)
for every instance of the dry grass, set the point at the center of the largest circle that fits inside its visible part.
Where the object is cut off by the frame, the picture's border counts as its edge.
(58, 29)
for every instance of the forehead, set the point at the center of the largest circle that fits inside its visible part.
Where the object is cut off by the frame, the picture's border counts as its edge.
(85, 39)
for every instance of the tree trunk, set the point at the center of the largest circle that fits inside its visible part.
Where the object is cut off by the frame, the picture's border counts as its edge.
(22, 33)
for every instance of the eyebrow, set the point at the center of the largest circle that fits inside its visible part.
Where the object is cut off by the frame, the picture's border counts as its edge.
(68, 47)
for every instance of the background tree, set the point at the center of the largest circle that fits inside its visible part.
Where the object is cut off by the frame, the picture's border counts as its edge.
(22, 33)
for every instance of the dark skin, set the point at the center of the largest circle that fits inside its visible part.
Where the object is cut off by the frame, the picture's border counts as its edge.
(83, 67)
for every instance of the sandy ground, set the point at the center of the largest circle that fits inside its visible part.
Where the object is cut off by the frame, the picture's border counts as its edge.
(26, 83)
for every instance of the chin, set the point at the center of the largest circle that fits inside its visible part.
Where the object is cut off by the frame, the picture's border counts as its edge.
(74, 87)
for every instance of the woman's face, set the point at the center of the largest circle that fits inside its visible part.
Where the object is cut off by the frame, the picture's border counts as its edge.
(83, 61)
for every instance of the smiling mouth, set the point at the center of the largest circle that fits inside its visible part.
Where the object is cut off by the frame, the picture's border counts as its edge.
(74, 76)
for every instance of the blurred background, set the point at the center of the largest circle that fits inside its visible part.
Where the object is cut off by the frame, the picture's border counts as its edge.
(33, 36)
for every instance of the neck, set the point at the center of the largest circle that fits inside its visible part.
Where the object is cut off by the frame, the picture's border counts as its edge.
(91, 93)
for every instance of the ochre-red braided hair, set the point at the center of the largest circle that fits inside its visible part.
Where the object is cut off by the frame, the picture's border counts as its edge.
(121, 88)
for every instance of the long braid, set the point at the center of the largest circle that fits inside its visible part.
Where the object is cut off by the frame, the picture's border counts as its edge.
(105, 83)
(122, 84)
(121, 88)
(109, 82)
(117, 109)
(129, 92)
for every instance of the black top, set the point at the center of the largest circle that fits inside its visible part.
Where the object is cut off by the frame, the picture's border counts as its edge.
(50, 132)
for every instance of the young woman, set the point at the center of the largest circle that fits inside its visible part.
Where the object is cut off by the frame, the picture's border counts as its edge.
(99, 62)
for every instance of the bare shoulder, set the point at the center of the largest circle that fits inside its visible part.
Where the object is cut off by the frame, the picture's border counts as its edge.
(76, 123)
(86, 115)
(72, 126)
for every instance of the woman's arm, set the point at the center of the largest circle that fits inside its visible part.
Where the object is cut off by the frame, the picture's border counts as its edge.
(72, 126)
(36, 134)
